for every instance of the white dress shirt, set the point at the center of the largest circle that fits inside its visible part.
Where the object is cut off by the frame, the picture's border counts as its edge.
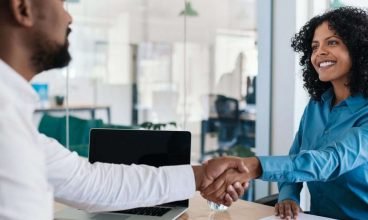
(34, 168)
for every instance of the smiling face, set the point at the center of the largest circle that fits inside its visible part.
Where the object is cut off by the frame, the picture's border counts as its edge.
(330, 56)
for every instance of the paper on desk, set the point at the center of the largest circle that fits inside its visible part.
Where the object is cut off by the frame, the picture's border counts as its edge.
(301, 216)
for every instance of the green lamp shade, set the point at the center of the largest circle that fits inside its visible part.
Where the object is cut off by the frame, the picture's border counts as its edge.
(188, 10)
(336, 4)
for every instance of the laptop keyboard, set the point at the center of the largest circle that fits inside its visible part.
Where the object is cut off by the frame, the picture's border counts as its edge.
(151, 211)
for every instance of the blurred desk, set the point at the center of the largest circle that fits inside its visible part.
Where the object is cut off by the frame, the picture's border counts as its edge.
(78, 108)
(240, 210)
(199, 210)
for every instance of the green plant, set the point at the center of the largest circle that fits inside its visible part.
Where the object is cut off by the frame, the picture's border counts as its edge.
(156, 126)
(240, 151)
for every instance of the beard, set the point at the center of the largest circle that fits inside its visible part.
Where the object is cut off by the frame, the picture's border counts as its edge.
(49, 55)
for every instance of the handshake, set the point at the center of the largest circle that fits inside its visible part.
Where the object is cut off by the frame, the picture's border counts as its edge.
(223, 180)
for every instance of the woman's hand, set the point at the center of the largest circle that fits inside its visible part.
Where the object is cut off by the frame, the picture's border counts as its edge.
(287, 209)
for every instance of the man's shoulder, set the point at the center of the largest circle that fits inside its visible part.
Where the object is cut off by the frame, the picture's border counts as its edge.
(6, 96)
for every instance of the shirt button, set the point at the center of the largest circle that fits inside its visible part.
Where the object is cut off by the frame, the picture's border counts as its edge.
(326, 131)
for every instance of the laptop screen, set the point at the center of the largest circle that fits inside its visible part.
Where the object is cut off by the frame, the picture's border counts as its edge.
(154, 148)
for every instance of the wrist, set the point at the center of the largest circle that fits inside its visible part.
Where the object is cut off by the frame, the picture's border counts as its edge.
(254, 166)
(198, 176)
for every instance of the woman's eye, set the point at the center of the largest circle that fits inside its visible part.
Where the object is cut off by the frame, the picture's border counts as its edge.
(332, 42)
(314, 47)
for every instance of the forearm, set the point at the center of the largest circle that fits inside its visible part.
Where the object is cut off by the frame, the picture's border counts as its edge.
(324, 164)
(104, 187)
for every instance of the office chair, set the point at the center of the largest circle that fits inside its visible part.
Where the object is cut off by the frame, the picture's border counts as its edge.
(270, 200)
(231, 133)
(227, 125)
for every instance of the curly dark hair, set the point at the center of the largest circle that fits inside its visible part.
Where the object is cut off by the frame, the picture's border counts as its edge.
(351, 24)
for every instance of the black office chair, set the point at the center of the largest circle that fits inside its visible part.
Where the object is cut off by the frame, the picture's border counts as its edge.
(235, 137)
(229, 128)
(227, 125)
(270, 200)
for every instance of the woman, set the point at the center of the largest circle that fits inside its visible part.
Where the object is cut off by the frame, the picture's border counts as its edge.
(334, 56)
(330, 150)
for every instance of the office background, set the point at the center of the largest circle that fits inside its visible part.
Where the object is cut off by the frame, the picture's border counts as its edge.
(160, 61)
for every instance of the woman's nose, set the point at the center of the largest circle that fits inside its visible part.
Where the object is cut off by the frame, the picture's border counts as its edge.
(322, 51)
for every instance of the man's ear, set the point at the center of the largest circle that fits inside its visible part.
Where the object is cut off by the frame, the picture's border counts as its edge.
(22, 12)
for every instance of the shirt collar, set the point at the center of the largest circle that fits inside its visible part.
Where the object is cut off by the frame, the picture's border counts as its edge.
(354, 102)
(327, 96)
(19, 86)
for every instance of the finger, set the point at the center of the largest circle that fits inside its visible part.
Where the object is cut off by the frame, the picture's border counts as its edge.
(219, 195)
(240, 166)
(281, 210)
(231, 191)
(287, 210)
(245, 185)
(239, 189)
(215, 186)
(215, 192)
(277, 209)
(228, 200)
(295, 209)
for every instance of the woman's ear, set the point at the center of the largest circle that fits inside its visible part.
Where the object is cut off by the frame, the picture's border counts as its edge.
(21, 10)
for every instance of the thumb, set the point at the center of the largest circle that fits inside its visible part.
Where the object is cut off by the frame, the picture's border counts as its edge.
(240, 166)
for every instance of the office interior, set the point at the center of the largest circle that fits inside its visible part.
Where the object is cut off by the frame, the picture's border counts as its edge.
(162, 64)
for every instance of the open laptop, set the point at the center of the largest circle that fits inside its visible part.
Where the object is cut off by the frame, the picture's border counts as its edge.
(155, 148)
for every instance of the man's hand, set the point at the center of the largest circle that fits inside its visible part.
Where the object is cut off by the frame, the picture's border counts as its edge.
(215, 191)
(219, 190)
(206, 174)
(215, 167)
(287, 209)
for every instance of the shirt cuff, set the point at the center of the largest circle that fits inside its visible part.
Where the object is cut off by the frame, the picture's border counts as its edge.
(276, 168)
(181, 181)
(289, 192)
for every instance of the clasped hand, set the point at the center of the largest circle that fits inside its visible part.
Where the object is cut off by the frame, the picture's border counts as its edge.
(224, 180)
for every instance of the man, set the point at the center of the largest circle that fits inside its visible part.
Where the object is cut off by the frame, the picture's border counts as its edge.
(34, 168)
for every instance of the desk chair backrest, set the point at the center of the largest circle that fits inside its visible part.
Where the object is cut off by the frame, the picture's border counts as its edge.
(227, 108)
(228, 121)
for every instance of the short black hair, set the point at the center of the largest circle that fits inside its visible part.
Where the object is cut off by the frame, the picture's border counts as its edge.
(4, 4)
(351, 24)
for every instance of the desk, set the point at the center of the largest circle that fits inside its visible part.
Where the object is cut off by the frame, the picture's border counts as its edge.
(240, 210)
(199, 210)
(78, 108)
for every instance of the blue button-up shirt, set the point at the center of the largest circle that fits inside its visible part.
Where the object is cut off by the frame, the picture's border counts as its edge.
(330, 152)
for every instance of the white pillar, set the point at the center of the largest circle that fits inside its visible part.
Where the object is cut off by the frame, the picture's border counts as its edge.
(263, 94)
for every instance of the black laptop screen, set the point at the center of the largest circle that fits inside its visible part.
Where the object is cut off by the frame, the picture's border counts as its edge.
(154, 148)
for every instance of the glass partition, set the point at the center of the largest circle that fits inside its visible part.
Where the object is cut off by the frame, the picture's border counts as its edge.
(164, 62)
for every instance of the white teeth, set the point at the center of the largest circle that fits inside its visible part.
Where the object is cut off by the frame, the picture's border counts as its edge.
(326, 63)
